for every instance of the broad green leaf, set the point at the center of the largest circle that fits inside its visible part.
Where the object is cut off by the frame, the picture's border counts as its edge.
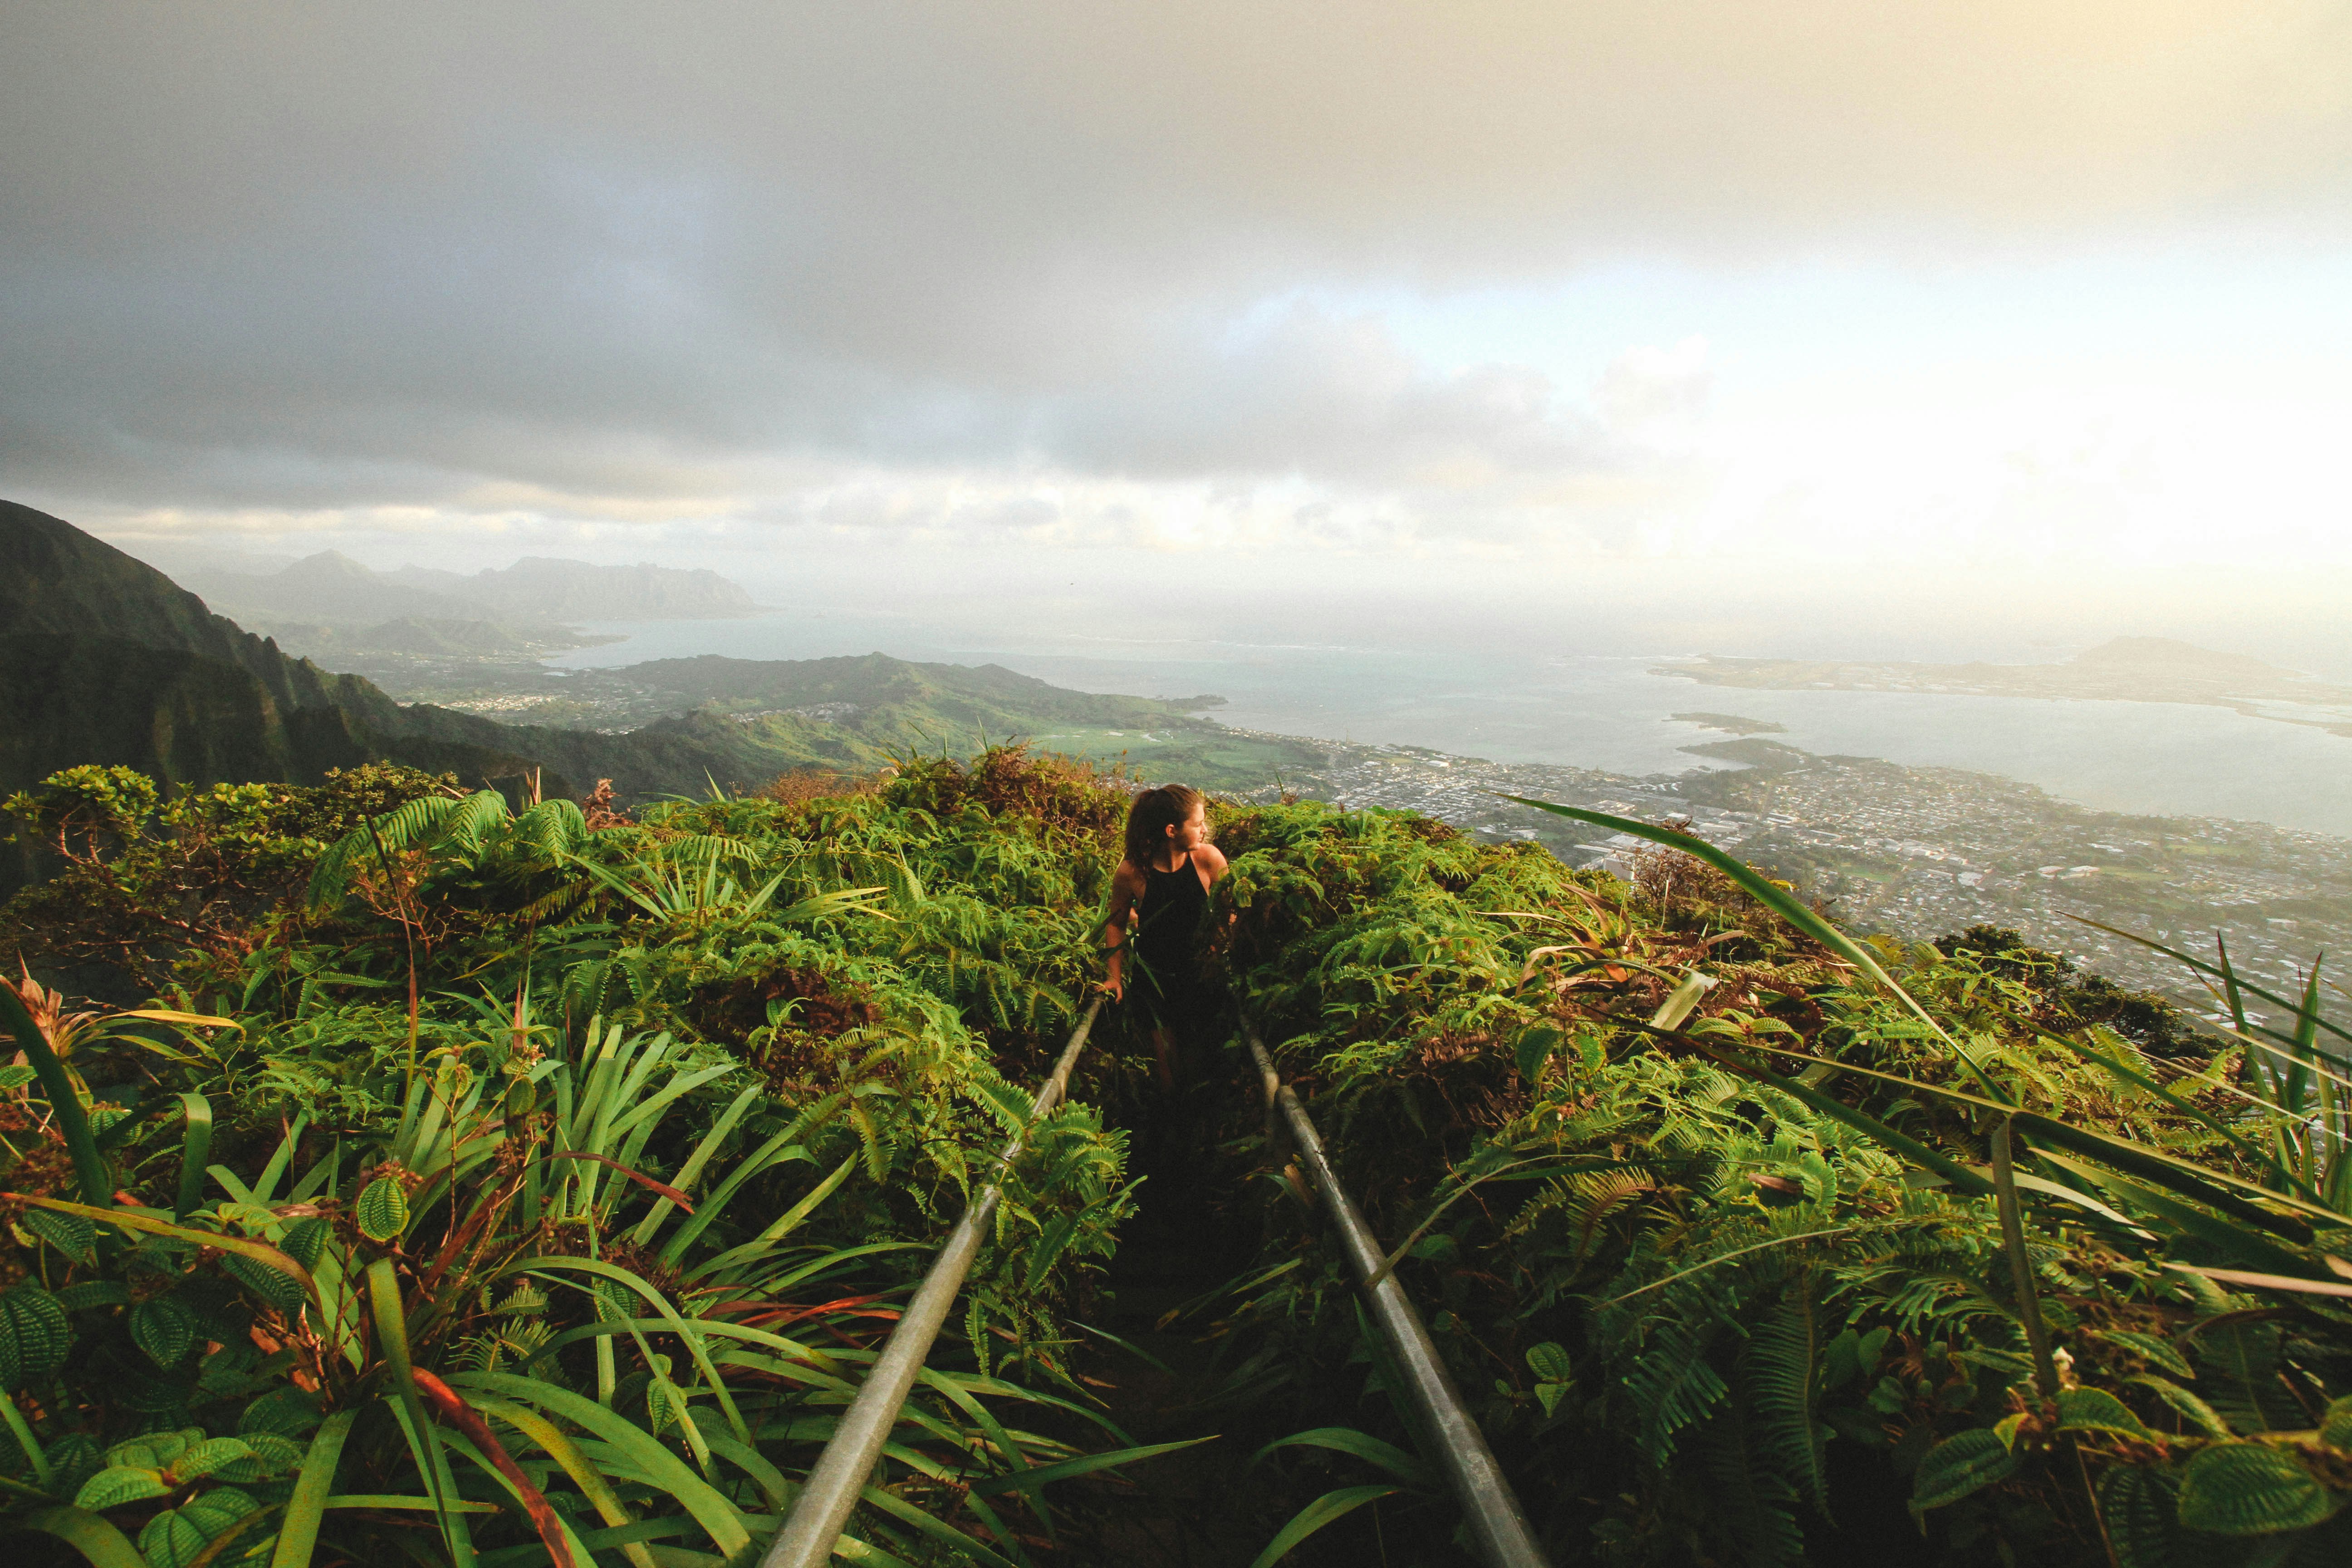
(145, 1224)
(1959, 1466)
(2200, 1414)
(2250, 1489)
(1535, 1047)
(218, 1508)
(164, 1329)
(286, 1413)
(271, 1455)
(119, 1484)
(70, 1233)
(305, 1239)
(2096, 1410)
(172, 1539)
(2136, 1508)
(33, 1335)
(382, 1210)
(203, 1458)
(2158, 1353)
(1548, 1360)
(2335, 1426)
(275, 1286)
(93, 1293)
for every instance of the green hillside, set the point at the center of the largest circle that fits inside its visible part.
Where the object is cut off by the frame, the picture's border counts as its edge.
(1746, 1242)
(862, 711)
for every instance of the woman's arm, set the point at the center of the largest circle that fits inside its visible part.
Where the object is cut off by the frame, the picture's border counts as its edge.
(1125, 885)
(1210, 861)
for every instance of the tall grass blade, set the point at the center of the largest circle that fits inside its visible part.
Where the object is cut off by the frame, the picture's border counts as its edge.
(1328, 1509)
(297, 1535)
(195, 1148)
(86, 1532)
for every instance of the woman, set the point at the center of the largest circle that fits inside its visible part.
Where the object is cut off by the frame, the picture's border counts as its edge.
(1164, 883)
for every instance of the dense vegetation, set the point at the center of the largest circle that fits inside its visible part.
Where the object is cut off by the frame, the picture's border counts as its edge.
(620, 1137)
(1877, 1242)
(462, 1185)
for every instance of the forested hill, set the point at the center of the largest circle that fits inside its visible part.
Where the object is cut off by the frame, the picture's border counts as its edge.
(108, 661)
(104, 659)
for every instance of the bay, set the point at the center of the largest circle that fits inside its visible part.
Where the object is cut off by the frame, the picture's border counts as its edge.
(1608, 711)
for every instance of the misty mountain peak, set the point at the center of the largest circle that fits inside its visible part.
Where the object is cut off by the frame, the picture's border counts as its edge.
(328, 564)
(544, 587)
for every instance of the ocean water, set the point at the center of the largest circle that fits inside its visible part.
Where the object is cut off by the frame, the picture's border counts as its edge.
(1606, 712)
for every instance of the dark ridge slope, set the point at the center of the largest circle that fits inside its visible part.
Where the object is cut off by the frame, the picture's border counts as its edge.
(105, 660)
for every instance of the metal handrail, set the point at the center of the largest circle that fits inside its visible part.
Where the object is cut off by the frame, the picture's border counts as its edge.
(834, 1487)
(1448, 1433)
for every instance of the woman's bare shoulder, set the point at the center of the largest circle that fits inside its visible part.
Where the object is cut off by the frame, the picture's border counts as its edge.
(1209, 859)
(1128, 877)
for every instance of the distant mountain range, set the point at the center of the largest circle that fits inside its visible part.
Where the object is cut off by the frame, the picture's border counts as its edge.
(539, 588)
(329, 606)
(104, 659)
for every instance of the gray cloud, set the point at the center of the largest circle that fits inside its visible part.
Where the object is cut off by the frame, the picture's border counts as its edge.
(304, 256)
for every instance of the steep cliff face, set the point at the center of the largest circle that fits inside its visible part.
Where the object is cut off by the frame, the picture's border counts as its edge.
(104, 659)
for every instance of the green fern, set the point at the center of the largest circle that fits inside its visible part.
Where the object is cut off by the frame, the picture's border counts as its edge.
(1779, 1371)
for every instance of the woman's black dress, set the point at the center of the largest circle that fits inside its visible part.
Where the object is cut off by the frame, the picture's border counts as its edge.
(1167, 951)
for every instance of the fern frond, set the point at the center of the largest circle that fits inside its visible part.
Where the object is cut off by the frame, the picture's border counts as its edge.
(1779, 1371)
(469, 827)
(412, 823)
(1747, 1494)
(1673, 1386)
(548, 830)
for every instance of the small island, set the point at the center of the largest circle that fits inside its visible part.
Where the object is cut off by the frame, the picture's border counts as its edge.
(1729, 724)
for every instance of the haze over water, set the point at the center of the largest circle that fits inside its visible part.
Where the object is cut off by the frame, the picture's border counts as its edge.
(1602, 710)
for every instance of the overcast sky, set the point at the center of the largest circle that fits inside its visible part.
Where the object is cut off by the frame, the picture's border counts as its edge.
(1405, 288)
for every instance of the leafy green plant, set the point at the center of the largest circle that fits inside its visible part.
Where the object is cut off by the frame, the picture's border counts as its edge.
(1900, 1204)
(466, 1282)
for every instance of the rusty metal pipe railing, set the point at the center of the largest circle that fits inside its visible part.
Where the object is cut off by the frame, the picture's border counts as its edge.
(1449, 1434)
(834, 1487)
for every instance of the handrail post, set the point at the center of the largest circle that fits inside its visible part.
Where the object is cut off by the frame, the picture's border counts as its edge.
(831, 1492)
(1450, 1435)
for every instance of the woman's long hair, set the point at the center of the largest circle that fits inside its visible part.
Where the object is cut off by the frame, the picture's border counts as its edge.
(1156, 811)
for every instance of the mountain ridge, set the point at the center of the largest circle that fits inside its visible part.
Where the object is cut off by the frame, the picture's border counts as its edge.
(108, 661)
